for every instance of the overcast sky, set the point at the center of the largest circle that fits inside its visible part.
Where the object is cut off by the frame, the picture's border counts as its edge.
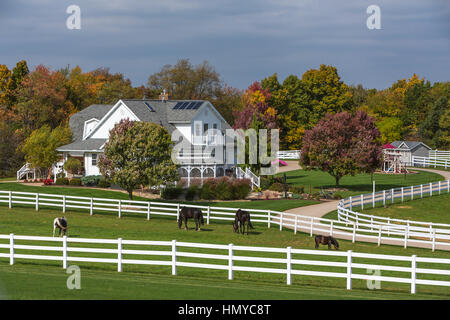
(244, 40)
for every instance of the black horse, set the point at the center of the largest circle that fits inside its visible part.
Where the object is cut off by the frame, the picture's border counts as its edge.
(240, 219)
(61, 224)
(186, 213)
(327, 241)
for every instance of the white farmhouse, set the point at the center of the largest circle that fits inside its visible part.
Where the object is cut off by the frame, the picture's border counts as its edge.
(90, 128)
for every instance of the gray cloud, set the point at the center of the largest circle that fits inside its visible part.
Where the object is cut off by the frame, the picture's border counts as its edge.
(245, 41)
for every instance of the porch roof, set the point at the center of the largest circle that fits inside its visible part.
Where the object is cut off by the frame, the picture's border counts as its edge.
(88, 145)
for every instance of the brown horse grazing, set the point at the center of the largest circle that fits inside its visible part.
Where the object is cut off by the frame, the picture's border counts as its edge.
(239, 221)
(327, 241)
(187, 212)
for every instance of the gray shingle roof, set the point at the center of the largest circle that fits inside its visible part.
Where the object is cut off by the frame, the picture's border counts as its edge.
(77, 120)
(410, 144)
(84, 145)
(163, 114)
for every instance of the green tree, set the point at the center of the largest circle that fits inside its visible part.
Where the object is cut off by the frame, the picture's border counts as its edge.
(40, 146)
(138, 153)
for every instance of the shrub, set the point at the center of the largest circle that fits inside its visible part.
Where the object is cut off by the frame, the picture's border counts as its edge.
(297, 189)
(207, 191)
(62, 181)
(240, 189)
(104, 184)
(171, 192)
(72, 165)
(267, 181)
(91, 180)
(277, 187)
(75, 182)
(191, 192)
(223, 189)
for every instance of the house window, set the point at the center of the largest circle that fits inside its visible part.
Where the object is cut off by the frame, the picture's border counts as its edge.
(94, 159)
(205, 128)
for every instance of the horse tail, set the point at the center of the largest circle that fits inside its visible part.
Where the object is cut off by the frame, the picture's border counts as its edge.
(249, 223)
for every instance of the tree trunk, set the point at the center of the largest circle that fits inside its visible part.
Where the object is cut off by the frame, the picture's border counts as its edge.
(337, 181)
(130, 194)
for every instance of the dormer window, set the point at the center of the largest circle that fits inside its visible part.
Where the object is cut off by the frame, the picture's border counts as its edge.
(89, 125)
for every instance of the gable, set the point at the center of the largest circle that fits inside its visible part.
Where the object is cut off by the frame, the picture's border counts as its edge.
(89, 125)
(118, 112)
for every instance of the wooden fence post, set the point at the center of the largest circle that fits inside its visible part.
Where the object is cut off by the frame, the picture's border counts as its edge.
(37, 201)
(10, 199)
(402, 194)
(268, 219)
(119, 255)
(362, 202)
(207, 217)
(349, 269)
(412, 192)
(148, 210)
(354, 233)
(431, 189)
(11, 249)
(64, 204)
(439, 187)
(65, 252)
(373, 199)
(174, 257)
(421, 191)
(312, 227)
(178, 212)
(331, 228)
(384, 198)
(120, 208)
(288, 265)
(230, 261)
(91, 211)
(413, 274)
(392, 195)
(351, 205)
(433, 245)
(406, 236)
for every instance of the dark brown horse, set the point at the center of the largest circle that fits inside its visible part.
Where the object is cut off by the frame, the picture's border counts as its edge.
(186, 213)
(240, 219)
(327, 240)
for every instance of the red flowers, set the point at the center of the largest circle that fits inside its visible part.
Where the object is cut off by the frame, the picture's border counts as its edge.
(48, 182)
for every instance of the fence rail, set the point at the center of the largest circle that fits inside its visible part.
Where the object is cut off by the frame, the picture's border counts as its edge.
(231, 258)
(430, 162)
(386, 227)
(439, 154)
(350, 224)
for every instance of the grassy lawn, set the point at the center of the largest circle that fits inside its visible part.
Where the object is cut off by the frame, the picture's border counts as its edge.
(8, 179)
(360, 183)
(278, 205)
(101, 281)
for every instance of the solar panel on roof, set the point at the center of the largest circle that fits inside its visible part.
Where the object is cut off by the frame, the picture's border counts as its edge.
(197, 105)
(184, 105)
(191, 105)
(149, 106)
(177, 106)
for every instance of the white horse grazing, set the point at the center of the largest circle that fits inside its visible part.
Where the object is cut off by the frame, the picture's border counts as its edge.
(61, 224)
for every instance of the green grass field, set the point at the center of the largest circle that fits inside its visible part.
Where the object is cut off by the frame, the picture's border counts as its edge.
(360, 183)
(100, 281)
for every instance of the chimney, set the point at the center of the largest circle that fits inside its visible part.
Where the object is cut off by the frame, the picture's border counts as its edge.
(164, 96)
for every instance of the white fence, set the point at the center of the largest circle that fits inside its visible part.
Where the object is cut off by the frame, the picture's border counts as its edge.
(398, 230)
(248, 174)
(288, 154)
(439, 155)
(430, 162)
(230, 258)
(351, 225)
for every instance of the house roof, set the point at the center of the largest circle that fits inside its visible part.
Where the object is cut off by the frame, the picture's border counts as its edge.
(409, 144)
(83, 145)
(147, 110)
(77, 120)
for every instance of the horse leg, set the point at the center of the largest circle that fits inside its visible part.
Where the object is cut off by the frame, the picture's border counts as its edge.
(329, 245)
(185, 224)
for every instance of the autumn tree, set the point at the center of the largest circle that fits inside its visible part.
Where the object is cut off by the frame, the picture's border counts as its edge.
(138, 154)
(342, 144)
(40, 147)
